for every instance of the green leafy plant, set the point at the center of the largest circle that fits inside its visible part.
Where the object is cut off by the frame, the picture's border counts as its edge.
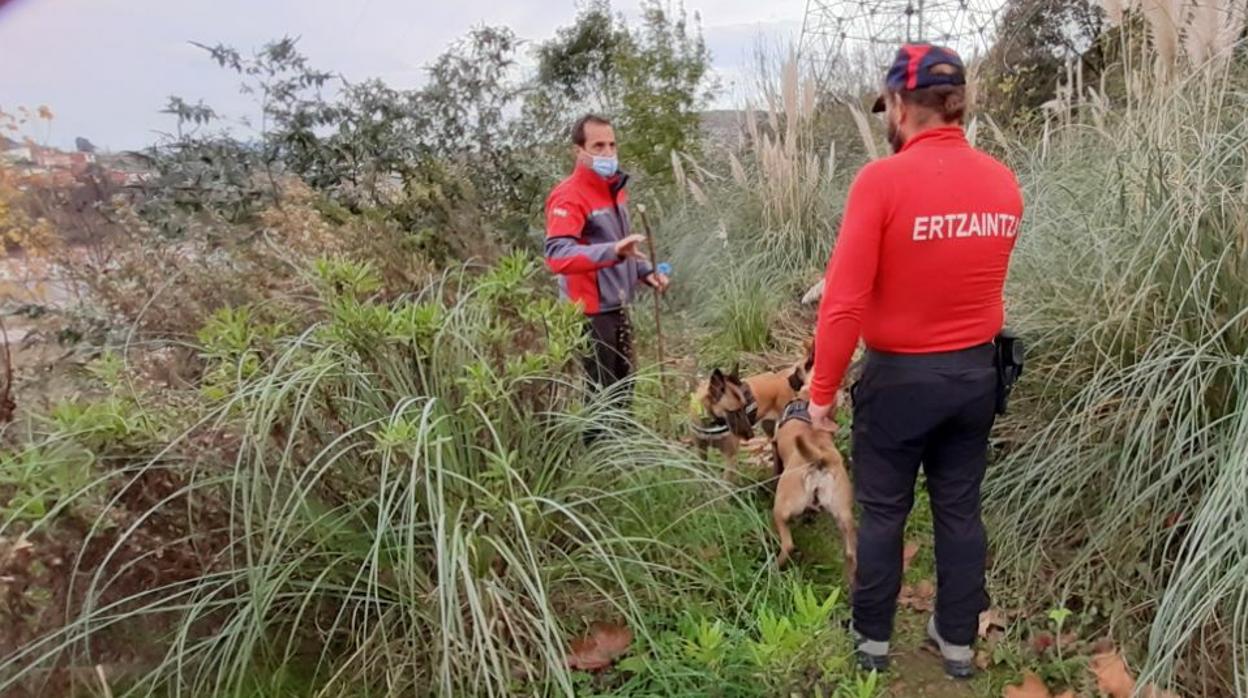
(706, 642)
(777, 638)
(861, 686)
(344, 277)
(809, 612)
(38, 478)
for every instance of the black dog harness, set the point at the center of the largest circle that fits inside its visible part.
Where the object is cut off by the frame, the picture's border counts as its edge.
(796, 409)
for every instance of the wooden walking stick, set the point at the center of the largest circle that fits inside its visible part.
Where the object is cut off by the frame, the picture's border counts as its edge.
(658, 324)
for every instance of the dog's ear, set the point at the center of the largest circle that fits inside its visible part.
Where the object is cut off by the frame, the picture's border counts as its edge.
(715, 386)
(735, 376)
(797, 379)
(809, 344)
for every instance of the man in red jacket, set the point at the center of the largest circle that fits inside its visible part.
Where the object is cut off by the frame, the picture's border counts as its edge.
(590, 247)
(918, 272)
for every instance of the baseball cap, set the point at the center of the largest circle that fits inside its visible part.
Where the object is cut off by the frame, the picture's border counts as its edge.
(912, 70)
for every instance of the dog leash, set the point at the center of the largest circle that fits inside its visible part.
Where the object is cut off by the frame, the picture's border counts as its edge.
(751, 403)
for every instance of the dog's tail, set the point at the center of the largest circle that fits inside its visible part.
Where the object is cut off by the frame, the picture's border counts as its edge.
(811, 453)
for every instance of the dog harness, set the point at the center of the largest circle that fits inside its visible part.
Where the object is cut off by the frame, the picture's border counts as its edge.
(796, 409)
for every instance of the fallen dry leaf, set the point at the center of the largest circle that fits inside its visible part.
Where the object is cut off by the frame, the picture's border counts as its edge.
(982, 660)
(1044, 641)
(919, 597)
(905, 596)
(1031, 687)
(21, 545)
(991, 622)
(758, 445)
(1114, 680)
(907, 555)
(601, 645)
(1112, 677)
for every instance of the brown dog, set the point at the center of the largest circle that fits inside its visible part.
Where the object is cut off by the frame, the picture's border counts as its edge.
(812, 477)
(734, 406)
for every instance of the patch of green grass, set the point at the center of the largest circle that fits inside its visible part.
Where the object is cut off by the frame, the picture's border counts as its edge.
(920, 530)
(790, 640)
(33, 481)
(742, 315)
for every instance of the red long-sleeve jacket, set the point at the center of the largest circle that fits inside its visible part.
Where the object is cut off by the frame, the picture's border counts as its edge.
(921, 258)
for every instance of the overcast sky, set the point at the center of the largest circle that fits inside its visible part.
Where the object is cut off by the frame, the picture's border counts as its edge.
(106, 67)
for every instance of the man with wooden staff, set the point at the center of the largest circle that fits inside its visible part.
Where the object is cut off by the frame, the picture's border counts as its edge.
(594, 254)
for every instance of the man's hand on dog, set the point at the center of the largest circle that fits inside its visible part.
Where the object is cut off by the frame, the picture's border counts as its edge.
(821, 417)
(629, 247)
(657, 281)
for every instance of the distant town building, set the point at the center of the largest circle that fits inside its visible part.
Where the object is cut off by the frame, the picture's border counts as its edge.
(40, 166)
(54, 159)
(17, 153)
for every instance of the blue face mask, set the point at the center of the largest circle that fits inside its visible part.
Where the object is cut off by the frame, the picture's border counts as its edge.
(605, 166)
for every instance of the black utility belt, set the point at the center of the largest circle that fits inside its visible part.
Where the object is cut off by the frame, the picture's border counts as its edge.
(979, 356)
(1006, 353)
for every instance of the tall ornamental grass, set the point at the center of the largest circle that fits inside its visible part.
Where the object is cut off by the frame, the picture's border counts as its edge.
(1131, 282)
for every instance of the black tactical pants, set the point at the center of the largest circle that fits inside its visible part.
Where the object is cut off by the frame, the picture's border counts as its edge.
(935, 410)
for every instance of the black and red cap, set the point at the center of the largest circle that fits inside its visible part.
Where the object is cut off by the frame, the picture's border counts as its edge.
(912, 70)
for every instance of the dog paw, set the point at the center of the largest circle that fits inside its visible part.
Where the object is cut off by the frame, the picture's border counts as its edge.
(783, 560)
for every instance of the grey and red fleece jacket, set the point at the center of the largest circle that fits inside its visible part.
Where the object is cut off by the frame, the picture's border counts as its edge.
(585, 216)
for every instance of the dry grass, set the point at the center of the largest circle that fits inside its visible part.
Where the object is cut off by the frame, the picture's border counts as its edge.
(1194, 31)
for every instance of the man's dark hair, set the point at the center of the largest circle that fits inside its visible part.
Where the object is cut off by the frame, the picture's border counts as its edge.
(946, 102)
(578, 128)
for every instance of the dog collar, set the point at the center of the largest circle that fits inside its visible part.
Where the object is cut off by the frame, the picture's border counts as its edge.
(751, 404)
(716, 428)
